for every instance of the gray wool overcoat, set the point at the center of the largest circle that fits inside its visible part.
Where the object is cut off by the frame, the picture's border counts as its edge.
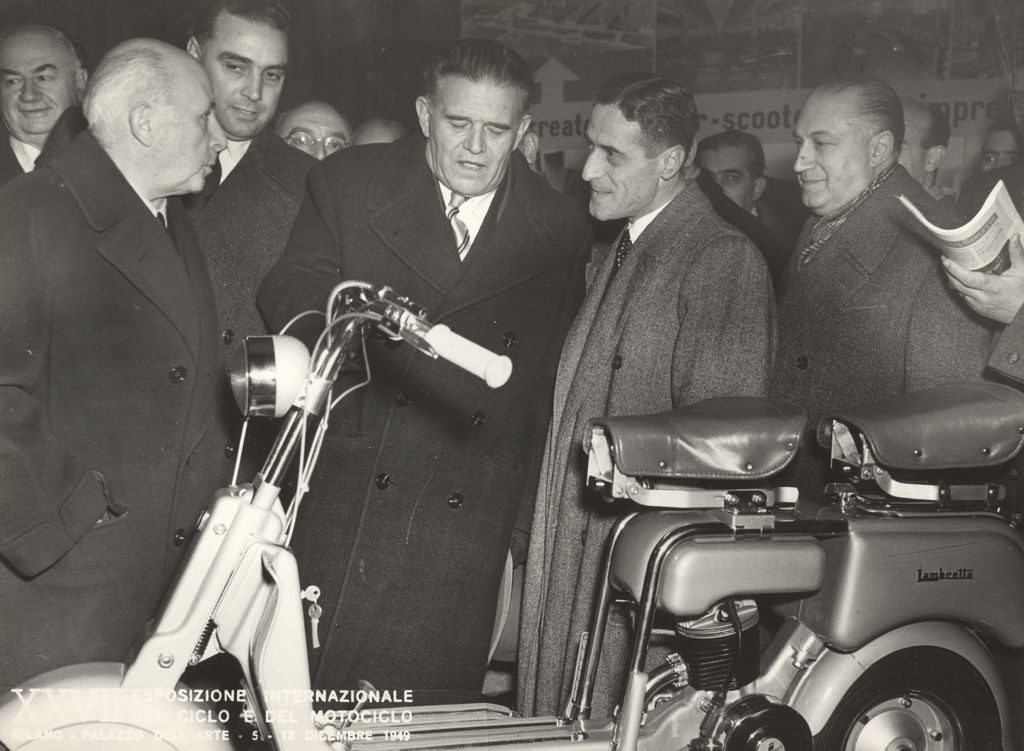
(870, 316)
(689, 316)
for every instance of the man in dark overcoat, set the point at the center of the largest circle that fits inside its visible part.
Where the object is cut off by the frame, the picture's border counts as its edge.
(411, 515)
(864, 309)
(109, 363)
(247, 207)
(679, 309)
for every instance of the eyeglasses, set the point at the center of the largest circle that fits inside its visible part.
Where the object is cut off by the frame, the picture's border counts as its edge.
(301, 139)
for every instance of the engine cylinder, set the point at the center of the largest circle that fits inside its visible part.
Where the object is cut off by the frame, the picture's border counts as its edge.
(715, 658)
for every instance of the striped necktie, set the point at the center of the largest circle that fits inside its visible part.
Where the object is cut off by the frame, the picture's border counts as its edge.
(458, 226)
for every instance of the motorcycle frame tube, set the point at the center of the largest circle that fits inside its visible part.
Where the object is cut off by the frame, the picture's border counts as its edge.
(580, 701)
(627, 729)
(816, 692)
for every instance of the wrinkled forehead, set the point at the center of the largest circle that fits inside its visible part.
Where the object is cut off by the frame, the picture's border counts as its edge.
(454, 89)
(31, 48)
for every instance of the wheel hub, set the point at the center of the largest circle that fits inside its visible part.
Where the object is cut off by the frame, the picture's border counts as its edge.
(904, 723)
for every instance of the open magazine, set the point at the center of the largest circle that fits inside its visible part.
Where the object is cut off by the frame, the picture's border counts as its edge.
(983, 243)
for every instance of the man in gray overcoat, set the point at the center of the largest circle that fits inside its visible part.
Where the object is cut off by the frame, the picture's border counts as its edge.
(678, 310)
(864, 309)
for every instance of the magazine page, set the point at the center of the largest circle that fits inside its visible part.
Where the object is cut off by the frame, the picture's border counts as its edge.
(982, 244)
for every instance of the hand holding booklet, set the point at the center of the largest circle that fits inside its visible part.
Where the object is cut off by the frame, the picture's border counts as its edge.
(983, 243)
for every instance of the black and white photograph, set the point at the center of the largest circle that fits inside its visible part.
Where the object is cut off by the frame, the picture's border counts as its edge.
(511, 375)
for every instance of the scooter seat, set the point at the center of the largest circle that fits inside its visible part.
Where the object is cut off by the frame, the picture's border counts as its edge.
(959, 425)
(716, 439)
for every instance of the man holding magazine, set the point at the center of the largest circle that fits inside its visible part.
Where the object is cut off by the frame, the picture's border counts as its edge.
(864, 310)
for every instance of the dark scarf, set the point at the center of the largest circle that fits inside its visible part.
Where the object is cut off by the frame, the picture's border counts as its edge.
(829, 224)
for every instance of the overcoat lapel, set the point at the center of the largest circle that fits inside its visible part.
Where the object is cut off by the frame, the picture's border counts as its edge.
(413, 229)
(500, 258)
(846, 264)
(128, 235)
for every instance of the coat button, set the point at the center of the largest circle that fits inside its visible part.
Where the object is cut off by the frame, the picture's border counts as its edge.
(401, 399)
(455, 500)
(179, 537)
(229, 336)
(616, 362)
(509, 339)
(477, 419)
(230, 451)
(382, 481)
(802, 362)
(1012, 357)
(177, 374)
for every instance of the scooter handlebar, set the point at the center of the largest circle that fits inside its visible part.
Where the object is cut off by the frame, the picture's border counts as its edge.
(493, 369)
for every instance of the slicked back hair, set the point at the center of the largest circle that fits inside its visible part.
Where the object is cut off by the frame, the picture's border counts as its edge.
(664, 110)
(273, 13)
(481, 60)
(875, 100)
(740, 139)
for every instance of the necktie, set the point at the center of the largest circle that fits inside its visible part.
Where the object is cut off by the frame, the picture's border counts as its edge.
(458, 226)
(162, 219)
(622, 250)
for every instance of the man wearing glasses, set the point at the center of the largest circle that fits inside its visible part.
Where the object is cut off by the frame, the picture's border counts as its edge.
(316, 128)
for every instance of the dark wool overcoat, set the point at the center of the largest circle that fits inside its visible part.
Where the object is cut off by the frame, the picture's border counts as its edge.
(689, 316)
(422, 475)
(109, 362)
(243, 225)
(871, 315)
(10, 167)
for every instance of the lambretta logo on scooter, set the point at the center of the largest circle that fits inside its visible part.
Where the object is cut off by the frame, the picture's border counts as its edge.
(943, 575)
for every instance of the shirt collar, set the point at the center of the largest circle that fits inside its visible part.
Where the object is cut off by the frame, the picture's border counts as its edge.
(231, 156)
(25, 153)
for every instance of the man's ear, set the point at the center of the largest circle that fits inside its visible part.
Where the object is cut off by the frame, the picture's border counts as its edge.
(140, 123)
(672, 161)
(882, 146)
(524, 123)
(934, 158)
(423, 114)
(81, 79)
(759, 185)
(193, 48)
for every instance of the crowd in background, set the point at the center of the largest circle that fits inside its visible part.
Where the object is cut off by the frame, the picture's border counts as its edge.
(158, 209)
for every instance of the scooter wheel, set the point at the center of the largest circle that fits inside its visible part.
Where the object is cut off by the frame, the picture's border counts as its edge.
(921, 699)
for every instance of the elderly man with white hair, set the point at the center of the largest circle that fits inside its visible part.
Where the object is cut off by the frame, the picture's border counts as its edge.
(109, 367)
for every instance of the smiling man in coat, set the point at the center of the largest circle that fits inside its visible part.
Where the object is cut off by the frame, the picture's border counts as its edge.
(679, 310)
(109, 367)
(424, 472)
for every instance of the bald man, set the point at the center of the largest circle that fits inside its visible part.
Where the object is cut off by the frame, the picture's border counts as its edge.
(109, 367)
(41, 75)
(315, 128)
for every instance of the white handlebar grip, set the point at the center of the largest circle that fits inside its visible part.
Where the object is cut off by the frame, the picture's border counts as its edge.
(493, 369)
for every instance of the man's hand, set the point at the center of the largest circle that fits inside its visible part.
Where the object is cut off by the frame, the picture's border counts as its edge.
(995, 297)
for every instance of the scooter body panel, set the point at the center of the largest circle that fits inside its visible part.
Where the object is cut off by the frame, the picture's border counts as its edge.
(888, 572)
(816, 691)
(705, 569)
